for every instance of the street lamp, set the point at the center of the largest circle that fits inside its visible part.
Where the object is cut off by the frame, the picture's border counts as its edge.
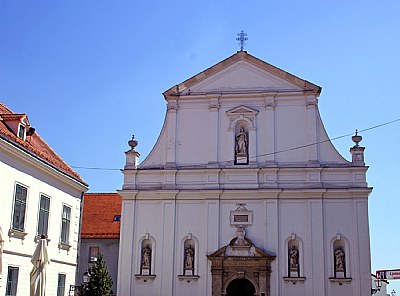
(86, 277)
(393, 293)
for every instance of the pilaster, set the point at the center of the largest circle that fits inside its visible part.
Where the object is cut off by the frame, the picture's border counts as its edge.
(213, 128)
(172, 110)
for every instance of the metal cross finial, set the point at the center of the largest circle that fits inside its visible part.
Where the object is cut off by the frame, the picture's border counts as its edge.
(242, 38)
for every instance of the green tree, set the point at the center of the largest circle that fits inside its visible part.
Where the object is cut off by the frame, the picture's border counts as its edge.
(100, 281)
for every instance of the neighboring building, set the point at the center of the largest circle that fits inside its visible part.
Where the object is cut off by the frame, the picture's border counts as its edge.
(244, 194)
(379, 287)
(100, 233)
(40, 194)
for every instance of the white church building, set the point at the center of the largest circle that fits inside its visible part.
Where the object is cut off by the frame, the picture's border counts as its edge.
(244, 193)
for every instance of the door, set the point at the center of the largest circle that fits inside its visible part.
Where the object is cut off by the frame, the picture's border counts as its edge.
(240, 287)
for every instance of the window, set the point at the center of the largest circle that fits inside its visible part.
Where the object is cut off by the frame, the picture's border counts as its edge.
(93, 254)
(21, 132)
(65, 224)
(61, 284)
(19, 207)
(12, 281)
(44, 209)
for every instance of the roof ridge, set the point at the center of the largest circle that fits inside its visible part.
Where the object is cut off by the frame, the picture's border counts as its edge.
(240, 56)
(4, 106)
(36, 146)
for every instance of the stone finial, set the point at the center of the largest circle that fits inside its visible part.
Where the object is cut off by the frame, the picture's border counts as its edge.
(357, 152)
(356, 139)
(133, 143)
(132, 156)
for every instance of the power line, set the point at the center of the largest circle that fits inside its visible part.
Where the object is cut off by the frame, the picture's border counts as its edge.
(89, 168)
(265, 154)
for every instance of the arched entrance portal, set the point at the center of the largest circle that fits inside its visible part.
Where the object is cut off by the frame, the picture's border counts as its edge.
(240, 287)
(240, 269)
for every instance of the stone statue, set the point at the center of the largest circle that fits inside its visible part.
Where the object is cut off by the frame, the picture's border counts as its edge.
(189, 258)
(240, 237)
(339, 259)
(241, 141)
(146, 257)
(294, 258)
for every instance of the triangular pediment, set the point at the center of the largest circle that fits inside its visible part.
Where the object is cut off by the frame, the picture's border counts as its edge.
(243, 77)
(242, 73)
(241, 110)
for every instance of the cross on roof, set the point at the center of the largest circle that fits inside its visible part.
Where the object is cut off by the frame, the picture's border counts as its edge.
(242, 38)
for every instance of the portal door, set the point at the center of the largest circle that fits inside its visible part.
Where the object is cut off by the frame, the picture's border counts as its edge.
(240, 287)
(240, 269)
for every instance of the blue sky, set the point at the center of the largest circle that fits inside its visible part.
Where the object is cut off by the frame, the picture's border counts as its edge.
(89, 74)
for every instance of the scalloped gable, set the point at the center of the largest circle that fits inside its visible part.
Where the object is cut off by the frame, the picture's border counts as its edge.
(242, 72)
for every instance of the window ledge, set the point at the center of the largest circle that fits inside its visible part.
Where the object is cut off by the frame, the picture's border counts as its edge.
(294, 280)
(17, 233)
(37, 238)
(145, 278)
(64, 246)
(188, 278)
(340, 281)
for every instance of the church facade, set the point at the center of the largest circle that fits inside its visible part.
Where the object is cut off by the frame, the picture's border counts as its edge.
(244, 193)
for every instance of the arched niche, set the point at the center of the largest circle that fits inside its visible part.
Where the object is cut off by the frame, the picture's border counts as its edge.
(340, 257)
(294, 259)
(189, 247)
(245, 116)
(242, 143)
(146, 251)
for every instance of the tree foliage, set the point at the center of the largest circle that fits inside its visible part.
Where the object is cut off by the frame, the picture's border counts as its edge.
(100, 281)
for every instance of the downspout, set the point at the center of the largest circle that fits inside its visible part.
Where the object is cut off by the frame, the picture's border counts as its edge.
(79, 240)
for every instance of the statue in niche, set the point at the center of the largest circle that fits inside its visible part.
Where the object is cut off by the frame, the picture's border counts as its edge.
(146, 257)
(294, 258)
(339, 259)
(189, 258)
(241, 142)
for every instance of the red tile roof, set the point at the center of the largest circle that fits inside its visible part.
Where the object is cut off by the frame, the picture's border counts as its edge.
(33, 144)
(99, 210)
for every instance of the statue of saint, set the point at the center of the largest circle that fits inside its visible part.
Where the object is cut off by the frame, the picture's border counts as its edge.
(294, 258)
(339, 259)
(189, 258)
(240, 237)
(241, 141)
(146, 257)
